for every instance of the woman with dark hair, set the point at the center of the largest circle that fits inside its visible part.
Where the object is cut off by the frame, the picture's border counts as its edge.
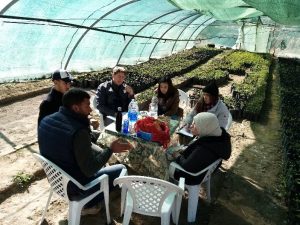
(210, 102)
(168, 99)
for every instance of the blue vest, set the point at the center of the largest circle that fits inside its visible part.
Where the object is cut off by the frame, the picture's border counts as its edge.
(55, 138)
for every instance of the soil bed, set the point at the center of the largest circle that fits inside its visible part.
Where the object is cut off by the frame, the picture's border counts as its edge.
(247, 189)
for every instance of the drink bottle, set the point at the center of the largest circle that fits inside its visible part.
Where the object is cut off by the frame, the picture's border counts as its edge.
(125, 128)
(119, 120)
(133, 110)
(153, 107)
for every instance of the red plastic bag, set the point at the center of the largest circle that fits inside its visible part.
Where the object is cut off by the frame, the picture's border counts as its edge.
(159, 129)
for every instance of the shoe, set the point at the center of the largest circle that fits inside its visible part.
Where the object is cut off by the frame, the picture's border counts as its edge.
(91, 211)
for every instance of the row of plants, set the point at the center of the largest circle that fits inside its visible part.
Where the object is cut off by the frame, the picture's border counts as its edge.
(145, 75)
(289, 71)
(248, 96)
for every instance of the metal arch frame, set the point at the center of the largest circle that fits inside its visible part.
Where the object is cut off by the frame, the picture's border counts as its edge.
(148, 41)
(8, 6)
(161, 37)
(83, 35)
(174, 11)
(197, 29)
(197, 17)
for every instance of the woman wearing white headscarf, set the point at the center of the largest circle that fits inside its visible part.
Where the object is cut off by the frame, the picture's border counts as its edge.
(212, 142)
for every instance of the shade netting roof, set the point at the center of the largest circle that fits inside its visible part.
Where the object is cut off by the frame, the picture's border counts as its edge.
(37, 37)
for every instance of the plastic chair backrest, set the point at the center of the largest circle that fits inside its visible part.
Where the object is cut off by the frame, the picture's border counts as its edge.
(94, 102)
(208, 170)
(184, 99)
(94, 107)
(57, 178)
(148, 193)
(229, 122)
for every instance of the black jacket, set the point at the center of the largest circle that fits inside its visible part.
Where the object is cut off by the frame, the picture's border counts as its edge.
(110, 96)
(51, 104)
(201, 154)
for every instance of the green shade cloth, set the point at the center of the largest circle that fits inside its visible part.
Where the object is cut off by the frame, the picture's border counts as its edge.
(37, 37)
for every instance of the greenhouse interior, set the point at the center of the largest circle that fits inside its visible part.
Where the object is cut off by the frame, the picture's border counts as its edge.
(249, 48)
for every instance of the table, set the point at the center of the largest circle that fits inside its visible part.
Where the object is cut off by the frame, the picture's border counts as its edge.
(147, 158)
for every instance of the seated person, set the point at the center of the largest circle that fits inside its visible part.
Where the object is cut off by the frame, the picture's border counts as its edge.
(210, 102)
(113, 94)
(64, 138)
(212, 142)
(61, 83)
(168, 99)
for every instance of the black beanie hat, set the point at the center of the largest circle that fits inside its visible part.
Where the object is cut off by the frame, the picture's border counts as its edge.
(211, 89)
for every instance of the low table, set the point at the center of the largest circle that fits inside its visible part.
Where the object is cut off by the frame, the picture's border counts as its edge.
(147, 158)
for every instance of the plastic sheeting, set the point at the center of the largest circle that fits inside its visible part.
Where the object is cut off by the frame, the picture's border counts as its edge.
(37, 37)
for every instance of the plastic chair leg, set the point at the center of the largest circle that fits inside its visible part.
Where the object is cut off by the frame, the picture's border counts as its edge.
(207, 186)
(176, 209)
(106, 201)
(165, 218)
(123, 199)
(128, 209)
(47, 204)
(193, 201)
(74, 213)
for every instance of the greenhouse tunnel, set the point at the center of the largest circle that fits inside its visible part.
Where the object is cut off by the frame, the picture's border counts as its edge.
(40, 36)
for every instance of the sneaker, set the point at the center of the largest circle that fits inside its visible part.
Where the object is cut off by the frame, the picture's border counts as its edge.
(91, 211)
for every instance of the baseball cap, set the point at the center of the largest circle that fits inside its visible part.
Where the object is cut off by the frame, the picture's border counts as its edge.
(62, 75)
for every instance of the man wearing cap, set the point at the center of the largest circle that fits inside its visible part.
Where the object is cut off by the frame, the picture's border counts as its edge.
(113, 94)
(210, 102)
(62, 83)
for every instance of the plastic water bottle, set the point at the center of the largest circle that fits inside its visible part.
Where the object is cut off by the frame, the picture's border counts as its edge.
(125, 128)
(119, 120)
(133, 110)
(153, 107)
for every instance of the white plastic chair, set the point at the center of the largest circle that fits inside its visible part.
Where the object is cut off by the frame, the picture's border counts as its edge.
(184, 99)
(94, 107)
(150, 196)
(59, 180)
(194, 189)
(229, 122)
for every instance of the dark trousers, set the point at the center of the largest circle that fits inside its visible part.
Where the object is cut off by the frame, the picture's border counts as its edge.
(75, 193)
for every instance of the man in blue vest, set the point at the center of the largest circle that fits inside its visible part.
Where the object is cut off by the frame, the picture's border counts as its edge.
(64, 138)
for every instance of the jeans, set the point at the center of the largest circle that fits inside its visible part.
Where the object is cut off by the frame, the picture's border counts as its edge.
(113, 172)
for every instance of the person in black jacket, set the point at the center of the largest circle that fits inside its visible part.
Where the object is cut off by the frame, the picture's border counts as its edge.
(212, 142)
(62, 83)
(113, 94)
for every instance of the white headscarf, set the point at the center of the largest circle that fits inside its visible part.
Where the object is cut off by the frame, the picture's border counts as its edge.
(207, 124)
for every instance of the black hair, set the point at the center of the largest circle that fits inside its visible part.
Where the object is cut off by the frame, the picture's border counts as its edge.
(171, 89)
(74, 96)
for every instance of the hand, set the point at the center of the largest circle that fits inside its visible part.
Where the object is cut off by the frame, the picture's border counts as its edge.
(187, 127)
(120, 145)
(175, 155)
(129, 90)
(94, 123)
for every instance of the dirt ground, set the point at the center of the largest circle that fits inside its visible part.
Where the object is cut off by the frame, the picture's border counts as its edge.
(246, 190)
